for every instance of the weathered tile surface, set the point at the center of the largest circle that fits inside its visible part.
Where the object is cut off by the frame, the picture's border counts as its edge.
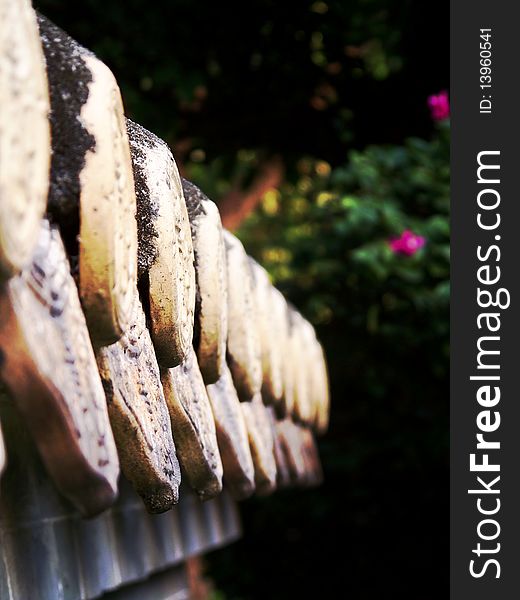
(193, 426)
(283, 478)
(165, 245)
(211, 315)
(232, 436)
(50, 369)
(271, 348)
(24, 135)
(291, 444)
(92, 189)
(139, 415)
(322, 392)
(243, 344)
(298, 357)
(261, 443)
(312, 457)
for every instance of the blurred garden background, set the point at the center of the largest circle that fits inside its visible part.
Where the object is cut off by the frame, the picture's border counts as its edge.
(309, 123)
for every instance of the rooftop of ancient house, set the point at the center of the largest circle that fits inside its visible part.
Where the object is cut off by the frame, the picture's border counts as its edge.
(151, 375)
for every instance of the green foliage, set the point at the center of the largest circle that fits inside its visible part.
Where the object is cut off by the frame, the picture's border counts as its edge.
(325, 241)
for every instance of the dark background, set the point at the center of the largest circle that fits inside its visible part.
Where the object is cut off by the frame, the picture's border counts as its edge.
(336, 91)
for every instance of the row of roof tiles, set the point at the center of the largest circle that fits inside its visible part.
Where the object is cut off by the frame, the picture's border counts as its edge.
(135, 332)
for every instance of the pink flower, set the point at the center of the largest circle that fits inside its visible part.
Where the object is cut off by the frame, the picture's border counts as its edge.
(408, 243)
(439, 106)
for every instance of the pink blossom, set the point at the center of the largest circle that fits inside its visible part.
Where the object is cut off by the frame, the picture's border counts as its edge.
(439, 106)
(408, 243)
